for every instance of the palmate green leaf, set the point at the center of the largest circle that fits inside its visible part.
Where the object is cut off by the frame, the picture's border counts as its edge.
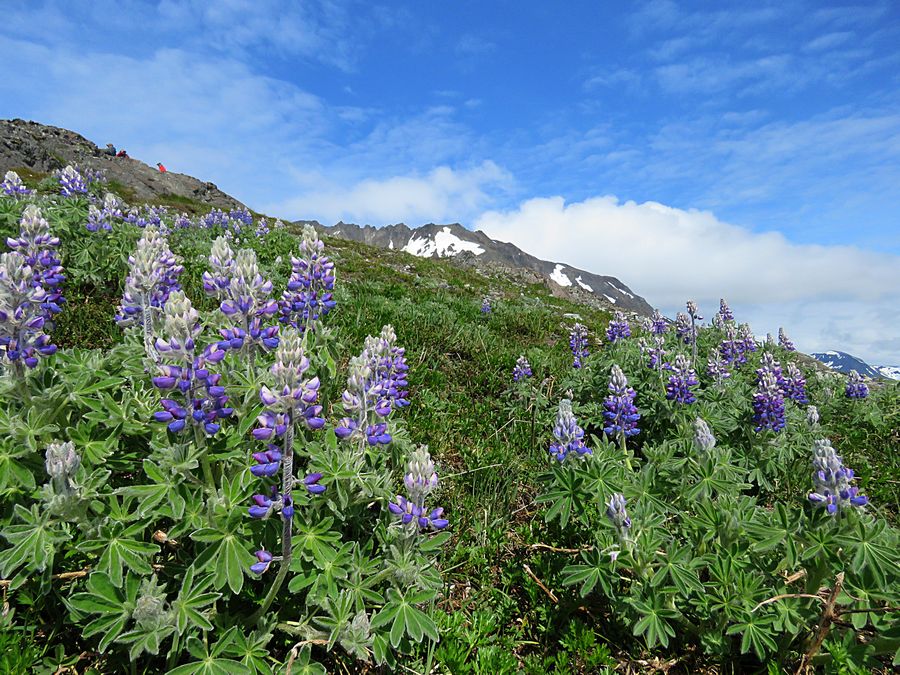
(566, 495)
(252, 650)
(405, 618)
(596, 569)
(227, 556)
(14, 475)
(121, 549)
(112, 604)
(210, 662)
(92, 451)
(777, 530)
(144, 639)
(34, 541)
(316, 541)
(192, 601)
(757, 633)
(681, 568)
(654, 624)
(868, 543)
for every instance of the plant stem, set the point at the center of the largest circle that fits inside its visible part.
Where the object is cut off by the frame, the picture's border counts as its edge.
(287, 480)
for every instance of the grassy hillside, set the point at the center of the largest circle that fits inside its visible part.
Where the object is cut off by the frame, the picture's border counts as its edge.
(534, 576)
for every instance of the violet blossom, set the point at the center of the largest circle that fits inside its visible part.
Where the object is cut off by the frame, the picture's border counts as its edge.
(618, 328)
(832, 480)
(578, 344)
(620, 414)
(569, 436)
(309, 294)
(681, 381)
(420, 480)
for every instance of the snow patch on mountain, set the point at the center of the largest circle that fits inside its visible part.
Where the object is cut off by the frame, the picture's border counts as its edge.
(844, 363)
(444, 243)
(560, 278)
(622, 291)
(890, 372)
(583, 285)
(612, 300)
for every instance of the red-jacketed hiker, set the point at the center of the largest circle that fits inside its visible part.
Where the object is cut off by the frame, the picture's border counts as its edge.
(161, 168)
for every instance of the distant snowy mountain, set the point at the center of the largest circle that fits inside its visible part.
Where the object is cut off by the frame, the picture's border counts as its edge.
(454, 240)
(890, 372)
(844, 363)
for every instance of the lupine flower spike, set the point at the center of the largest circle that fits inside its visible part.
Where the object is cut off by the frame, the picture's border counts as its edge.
(578, 345)
(420, 480)
(856, 388)
(618, 328)
(522, 369)
(618, 516)
(795, 385)
(785, 341)
(12, 185)
(485, 305)
(725, 312)
(704, 440)
(681, 381)
(569, 436)
(620, 414)
(308, 297)
(38, 245)
(768, 403)
(22, 314)
(832, 487)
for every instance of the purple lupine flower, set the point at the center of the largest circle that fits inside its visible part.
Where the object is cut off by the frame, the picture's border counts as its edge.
(746, 341)
(768, 403)
(376, 386)
(240, 218)
(658, 323)
(262, 228)
(420, 479)
(569, 436)
(522, 369)
(856, 388)
(22, 313)
(153, 275)
(265, 559)
(182, 221)
(215, 218)
(769, 364)
(96, 220)
(683, 327)
(785, 341)
(795, 385)
(71, 182)
(309, 294)
(832, 487)
(485, 305)
(12, 185)
(620, 414)
(717, 367)
(680, 382)
(196, 395)
(38, 245)
(618, 328)
(725, 311)
(731, 349)
(578, 343)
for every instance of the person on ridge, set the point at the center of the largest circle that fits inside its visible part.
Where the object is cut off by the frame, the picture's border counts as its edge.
(110, 150)
(122, 153)
(161, 168)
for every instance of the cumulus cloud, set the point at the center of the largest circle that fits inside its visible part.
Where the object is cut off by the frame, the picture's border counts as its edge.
(442, 194)
(834, 295)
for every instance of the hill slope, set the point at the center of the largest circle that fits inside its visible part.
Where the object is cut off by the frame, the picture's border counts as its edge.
(42, 149)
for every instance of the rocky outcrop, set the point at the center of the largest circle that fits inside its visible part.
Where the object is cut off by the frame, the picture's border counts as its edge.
(43, 149)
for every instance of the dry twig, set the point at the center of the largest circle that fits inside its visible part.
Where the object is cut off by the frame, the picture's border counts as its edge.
(540, 583)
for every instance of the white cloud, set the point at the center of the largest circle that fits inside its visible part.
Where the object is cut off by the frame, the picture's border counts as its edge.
(442, 195)
(824, 296)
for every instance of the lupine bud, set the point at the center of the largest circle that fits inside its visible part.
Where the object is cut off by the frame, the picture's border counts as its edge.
(704, 440)
(683, 328)
(569, 436)
(522, 369)
(618, 516)
(618, 328)
(578, 344)
(62, 462)
(693, 311)
(812, 416)
(856, 388)
(221, 264)
(620, 414)
(832, 481)
(785, 341)
(680, 382)
(153, 274)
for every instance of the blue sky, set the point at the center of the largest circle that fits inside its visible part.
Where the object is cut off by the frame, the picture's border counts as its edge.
(763, 132)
